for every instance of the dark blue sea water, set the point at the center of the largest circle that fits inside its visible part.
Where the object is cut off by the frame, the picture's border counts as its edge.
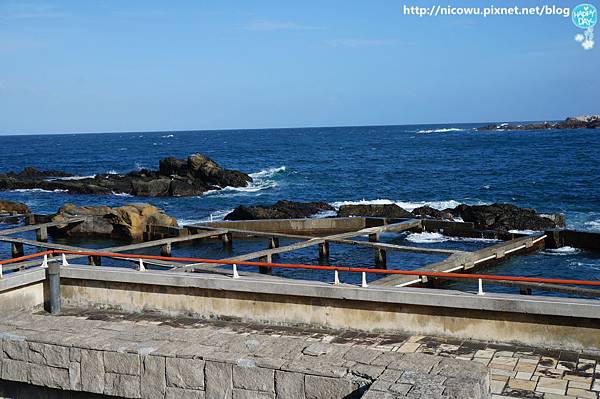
(551, 171)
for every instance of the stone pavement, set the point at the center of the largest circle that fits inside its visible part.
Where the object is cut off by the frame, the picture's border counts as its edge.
(189, 356)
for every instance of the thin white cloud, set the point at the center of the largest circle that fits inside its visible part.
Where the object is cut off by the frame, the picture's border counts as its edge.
(267, 25)
(361, 42)
(29, 11)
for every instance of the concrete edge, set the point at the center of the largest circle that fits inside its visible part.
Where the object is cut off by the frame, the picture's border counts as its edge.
(567, 307)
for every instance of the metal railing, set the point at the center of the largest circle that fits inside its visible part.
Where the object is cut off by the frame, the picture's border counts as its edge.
(336, 269)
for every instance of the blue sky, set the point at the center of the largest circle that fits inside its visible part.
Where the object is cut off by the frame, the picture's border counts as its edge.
(103, 66)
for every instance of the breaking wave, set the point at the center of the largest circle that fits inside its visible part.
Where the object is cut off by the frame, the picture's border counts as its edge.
(409, 206)
(432, 238)
(71, 178)
(262, 180)
(213, 217)
(168, 136)
(442, 130)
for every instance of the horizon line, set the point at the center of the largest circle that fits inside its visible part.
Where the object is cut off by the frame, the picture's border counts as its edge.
(266, 128)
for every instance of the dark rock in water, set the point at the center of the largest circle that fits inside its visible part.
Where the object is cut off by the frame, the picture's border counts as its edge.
(504, 217)
(579, 122)
(374, 210)
(126, 222)
(13, 207)
(427, 211)
(175, 177)
(280, 210)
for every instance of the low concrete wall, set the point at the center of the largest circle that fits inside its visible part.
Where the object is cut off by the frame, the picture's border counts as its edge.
(547, 322)
(23, 290)
(297, 226)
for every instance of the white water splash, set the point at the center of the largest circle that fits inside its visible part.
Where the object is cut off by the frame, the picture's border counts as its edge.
(213, 217)
(432, 238)
(562, 251)
(409, 206)
(262, 180)
(37, 190)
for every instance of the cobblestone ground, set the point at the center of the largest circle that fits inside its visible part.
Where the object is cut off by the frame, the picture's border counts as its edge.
(517, 372)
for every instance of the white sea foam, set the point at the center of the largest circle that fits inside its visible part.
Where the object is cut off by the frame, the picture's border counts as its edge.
(112, 172)
(122, 194)
(325, 214)
(528, 232)
(261, 180)
(592, 224)
(431, 238)
(71, 178)
(442, 130)
(168, 136)
(562, 251)
(409, 206)
(37, 190)
(213, 217)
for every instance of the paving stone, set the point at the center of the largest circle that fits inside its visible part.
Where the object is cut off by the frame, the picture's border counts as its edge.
(581, 393)
(122, 385)
(153, 378)
(92, 371)
(75, 376)
(522, 384)
(180, 393)
(50, 355)
(219, 380)
(400, 389)
(416, 362)
(317, 349)
(245, 394)
(318, 387)
(122, 363)
(15, 370)
(51, 377)
(497, 386)
(16, 349)
(254, 379)
(551, 385)
(461, 388)
(361, 355)
(289, 385)
(185, 373)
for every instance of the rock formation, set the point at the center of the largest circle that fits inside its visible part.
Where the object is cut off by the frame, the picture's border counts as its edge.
(175, 177)
(504, 217)
(279, 210)
(578, 122)
(126, 222)
(374, 210)
(13, 207)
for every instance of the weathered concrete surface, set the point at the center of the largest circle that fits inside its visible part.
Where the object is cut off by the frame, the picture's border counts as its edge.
(126, 358)
(554, 322)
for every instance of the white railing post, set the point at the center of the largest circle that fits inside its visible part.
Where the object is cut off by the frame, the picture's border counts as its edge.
(141, 266)
(0, 271)
(336, 277)
(64, 260)
(480, 292)
(364, 280)
(45, 262)
(235, 272)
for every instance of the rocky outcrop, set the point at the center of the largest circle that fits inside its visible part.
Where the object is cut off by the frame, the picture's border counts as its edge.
(279, 210)
(429, 212)
(504, 217)
(374, 210)
(126, 222)
(578, 122)
(175, 177)
(13, 207)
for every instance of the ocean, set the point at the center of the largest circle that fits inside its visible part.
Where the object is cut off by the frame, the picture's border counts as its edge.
(412, 165)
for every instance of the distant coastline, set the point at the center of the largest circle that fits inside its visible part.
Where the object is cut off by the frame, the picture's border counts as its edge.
(577, 122)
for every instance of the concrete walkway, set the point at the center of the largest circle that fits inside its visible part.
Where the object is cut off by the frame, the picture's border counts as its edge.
(421, 363)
